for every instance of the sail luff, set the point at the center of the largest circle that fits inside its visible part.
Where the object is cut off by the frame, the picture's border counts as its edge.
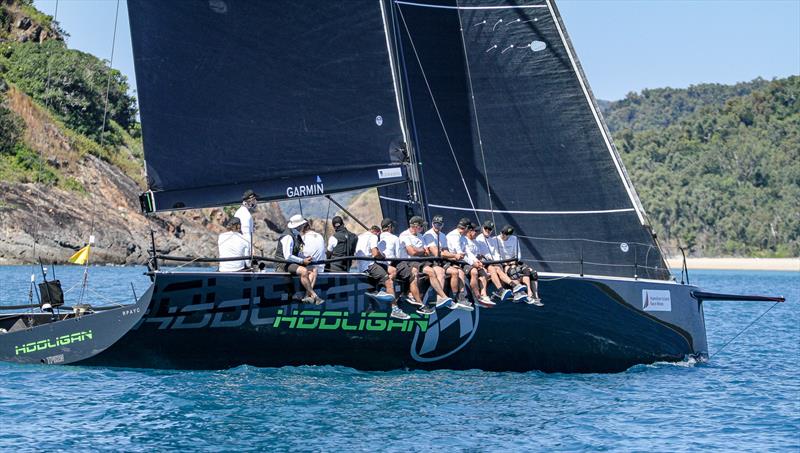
(596, 112)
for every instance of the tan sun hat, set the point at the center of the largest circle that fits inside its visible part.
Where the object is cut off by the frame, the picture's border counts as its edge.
(296, 221)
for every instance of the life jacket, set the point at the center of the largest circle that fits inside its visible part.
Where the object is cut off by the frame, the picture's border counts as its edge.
(297, 246)
(345, 246)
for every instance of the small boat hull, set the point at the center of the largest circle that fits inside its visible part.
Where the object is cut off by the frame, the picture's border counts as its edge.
(69, 338)
(216, 321)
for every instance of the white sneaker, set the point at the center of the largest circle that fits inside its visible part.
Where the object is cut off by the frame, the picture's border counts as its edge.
(486, 301)
(519, 288)
(399, 314)
(443, 301)
(520, 297)
(411, 300)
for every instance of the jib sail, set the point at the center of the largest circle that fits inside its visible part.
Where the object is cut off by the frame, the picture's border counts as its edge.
(288, 98)
(506, 129)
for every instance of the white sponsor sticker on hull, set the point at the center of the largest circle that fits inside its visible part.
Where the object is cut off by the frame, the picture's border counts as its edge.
(384, 173)
(656, 300)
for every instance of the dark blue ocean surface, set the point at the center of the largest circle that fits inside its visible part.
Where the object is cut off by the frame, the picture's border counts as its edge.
(746, 398)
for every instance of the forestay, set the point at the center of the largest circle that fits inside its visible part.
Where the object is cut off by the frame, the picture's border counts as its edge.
(289, 98)
(506, 129)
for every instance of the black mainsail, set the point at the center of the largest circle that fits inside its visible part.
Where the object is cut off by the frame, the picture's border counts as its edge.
(287, 98)
(506, 128)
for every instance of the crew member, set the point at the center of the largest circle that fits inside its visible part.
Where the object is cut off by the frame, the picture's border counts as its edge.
(457, 244)
(342, 243)
(435, 243)
(378, 274)
(290, 244)
(314, 247)
(244, 214)
(233, 245)
(478, 276)
(508, 247)
(388, 246)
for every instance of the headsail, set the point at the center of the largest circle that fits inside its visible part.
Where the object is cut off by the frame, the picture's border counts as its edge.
(508, 130)
(288, 98)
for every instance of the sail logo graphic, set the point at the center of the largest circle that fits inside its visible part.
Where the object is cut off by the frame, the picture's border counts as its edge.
(445, 336)
(656, 300)
(317, 188)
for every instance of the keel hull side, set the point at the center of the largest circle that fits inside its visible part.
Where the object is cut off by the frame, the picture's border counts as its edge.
(217, 321)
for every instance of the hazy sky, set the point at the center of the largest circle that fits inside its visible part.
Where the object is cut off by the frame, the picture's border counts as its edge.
(624, 45)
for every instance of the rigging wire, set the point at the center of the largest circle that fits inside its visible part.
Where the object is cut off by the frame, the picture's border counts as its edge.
(41, 161)
(475, 112)
(438, 114)
(108, 79)
(742, 331)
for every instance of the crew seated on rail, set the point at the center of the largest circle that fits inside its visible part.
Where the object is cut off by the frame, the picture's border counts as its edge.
(389, 247)
(435, 243)
(377, 271)
(477, 272)
(508, 247)
(421, 272)
(488, 242)
(289, 246)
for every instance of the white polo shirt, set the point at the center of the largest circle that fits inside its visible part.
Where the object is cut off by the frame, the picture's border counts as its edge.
(407, 238)
(366, 242)
(314, 246)
(244, 216)
(429, 239)
(509, 248)
(232, 244)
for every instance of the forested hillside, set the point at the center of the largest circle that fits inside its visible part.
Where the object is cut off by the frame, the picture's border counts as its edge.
(717, 167)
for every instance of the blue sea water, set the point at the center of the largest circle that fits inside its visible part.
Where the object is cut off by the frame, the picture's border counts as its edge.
(746, 398)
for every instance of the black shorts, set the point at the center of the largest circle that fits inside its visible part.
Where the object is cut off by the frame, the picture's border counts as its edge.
(290, 268)
(517, 271)
(404, 271)
(481, 271)
(377, 273)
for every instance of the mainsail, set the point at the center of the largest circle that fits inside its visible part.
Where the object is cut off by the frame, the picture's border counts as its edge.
(288, 98)
(506, 129)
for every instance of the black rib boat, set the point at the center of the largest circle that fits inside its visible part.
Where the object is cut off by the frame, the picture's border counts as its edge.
(472, 108)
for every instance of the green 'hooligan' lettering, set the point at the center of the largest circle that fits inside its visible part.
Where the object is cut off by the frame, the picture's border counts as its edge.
(392, 324)
(376, 324)
(301, 321)
(346, 324)
(333, 316)
(288, 319)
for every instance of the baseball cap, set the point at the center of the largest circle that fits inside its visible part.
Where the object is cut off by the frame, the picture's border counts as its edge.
(488, 224)
(386, 222)
(416, 220)
(508, 230)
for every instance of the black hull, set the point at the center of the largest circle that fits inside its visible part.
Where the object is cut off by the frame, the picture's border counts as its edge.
(218, 321)
(69, 338)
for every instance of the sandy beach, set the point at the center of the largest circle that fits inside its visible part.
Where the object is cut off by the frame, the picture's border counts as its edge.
(752, 264)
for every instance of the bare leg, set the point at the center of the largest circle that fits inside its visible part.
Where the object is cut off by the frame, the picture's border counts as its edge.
(312, 276)
(413, 288)
(494, 274)
(526, 280)
(440, 275)
(434, 279)
(304, 280)
(473, 283)
(390, 286)
(453, 272)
